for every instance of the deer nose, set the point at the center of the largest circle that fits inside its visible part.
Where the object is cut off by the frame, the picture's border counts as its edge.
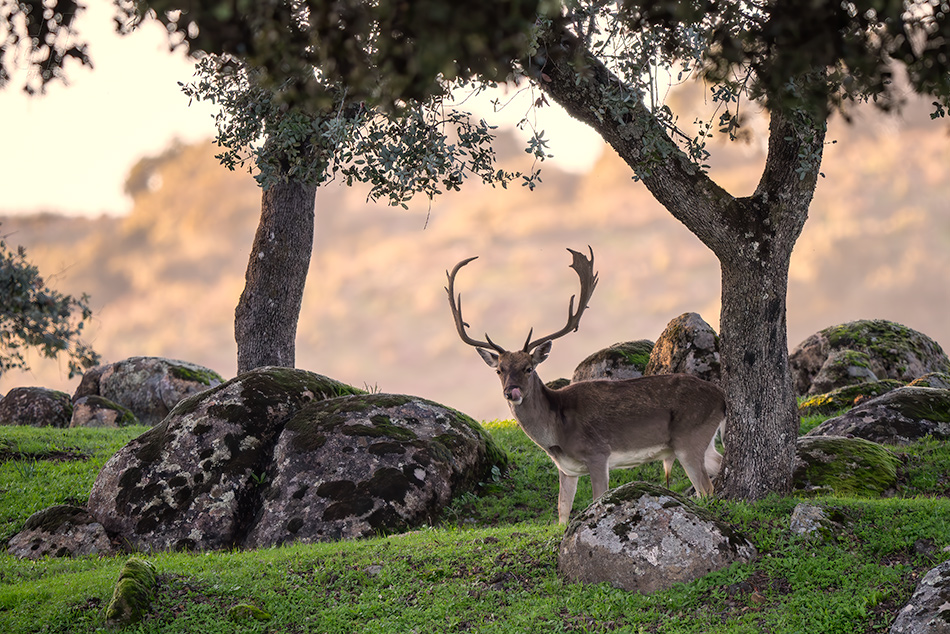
(514, 395)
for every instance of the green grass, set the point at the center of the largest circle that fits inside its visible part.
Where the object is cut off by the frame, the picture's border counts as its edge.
(490, 566)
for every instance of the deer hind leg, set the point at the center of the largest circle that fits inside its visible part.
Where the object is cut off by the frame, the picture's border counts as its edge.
(668, 469)
(567, 487)
(695, 467)
(713, 459)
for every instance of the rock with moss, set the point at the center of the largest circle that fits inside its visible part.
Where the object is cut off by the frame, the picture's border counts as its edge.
(894, 352)
(841, 369)
(134, 591)
(898, 417)
(192, 481)
(847, 467)
(643, 538)
(36, 407)
(60, 531)
(928, 610)
(364, 465)
(846, 397)
(688, 345)
(626, 360)
(148, 386)
(247, 612)
(939, 380)
(97, 411)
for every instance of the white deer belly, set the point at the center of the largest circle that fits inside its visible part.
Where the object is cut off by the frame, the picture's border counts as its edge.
(636, 457)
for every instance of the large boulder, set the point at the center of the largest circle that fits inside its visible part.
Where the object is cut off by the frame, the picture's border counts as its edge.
(149, 386)
(191, 482)
(627, 360)
(688, 345)
(643, 538)
(35, 406)
(278, 455)
(60, 531)
(898, 417)
(849, 467)
(928, 611)
(893, 351)
(368, 464)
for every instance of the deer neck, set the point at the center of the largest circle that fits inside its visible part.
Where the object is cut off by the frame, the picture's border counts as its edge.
(536, 413)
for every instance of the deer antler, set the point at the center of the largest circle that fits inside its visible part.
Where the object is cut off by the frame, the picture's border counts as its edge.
(585, 271)
(456, 305)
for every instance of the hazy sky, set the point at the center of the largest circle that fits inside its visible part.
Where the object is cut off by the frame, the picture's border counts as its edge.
(70, 150)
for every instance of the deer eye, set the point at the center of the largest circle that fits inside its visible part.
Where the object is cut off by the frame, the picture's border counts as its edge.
(498, 372)
(527, 370)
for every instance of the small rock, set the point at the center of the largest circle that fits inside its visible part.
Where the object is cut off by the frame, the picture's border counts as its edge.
(133, 593)
(643, 538)
(928, 611)
(807, 519)
(36, 407)
(96, 411)
(60, 531)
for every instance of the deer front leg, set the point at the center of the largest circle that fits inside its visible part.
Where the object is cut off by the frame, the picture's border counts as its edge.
(567, 487)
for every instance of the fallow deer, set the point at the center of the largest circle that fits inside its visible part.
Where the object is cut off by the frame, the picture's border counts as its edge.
(594, 426)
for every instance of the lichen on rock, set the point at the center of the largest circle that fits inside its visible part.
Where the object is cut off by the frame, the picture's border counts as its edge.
(894, 351)
(643, 538)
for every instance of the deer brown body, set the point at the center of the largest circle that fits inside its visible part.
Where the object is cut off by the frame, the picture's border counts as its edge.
(591, 427)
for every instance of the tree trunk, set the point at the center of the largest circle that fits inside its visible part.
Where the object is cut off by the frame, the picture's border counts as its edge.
(265, 321)
(752, 237)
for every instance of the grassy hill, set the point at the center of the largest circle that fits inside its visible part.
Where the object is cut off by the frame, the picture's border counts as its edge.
(489, 565)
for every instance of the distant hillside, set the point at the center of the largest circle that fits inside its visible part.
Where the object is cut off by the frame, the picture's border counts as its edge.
(165, 279)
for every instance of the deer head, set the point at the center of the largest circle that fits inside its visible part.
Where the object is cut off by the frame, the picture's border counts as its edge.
(516, 369)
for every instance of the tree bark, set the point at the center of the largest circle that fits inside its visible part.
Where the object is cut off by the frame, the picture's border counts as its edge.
(265, 321)
(752, 237)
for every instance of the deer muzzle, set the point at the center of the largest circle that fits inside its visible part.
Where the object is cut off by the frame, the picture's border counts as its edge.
(514, 395)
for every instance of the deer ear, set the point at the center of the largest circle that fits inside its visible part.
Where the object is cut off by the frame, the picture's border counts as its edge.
(489, 357)
(541, 352)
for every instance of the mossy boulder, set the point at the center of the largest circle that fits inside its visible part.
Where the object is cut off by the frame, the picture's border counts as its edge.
(688, 345)
(133, 594)
(60, 531)
(898, 417)
(626, 360)
(190, 482)
(643, 538)
(148, 386)
(846, 397)
(939, 380)
(279, 455)
(362, 465)
(893, 351)
(847, 467)
(98, 411)
(36, 407)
